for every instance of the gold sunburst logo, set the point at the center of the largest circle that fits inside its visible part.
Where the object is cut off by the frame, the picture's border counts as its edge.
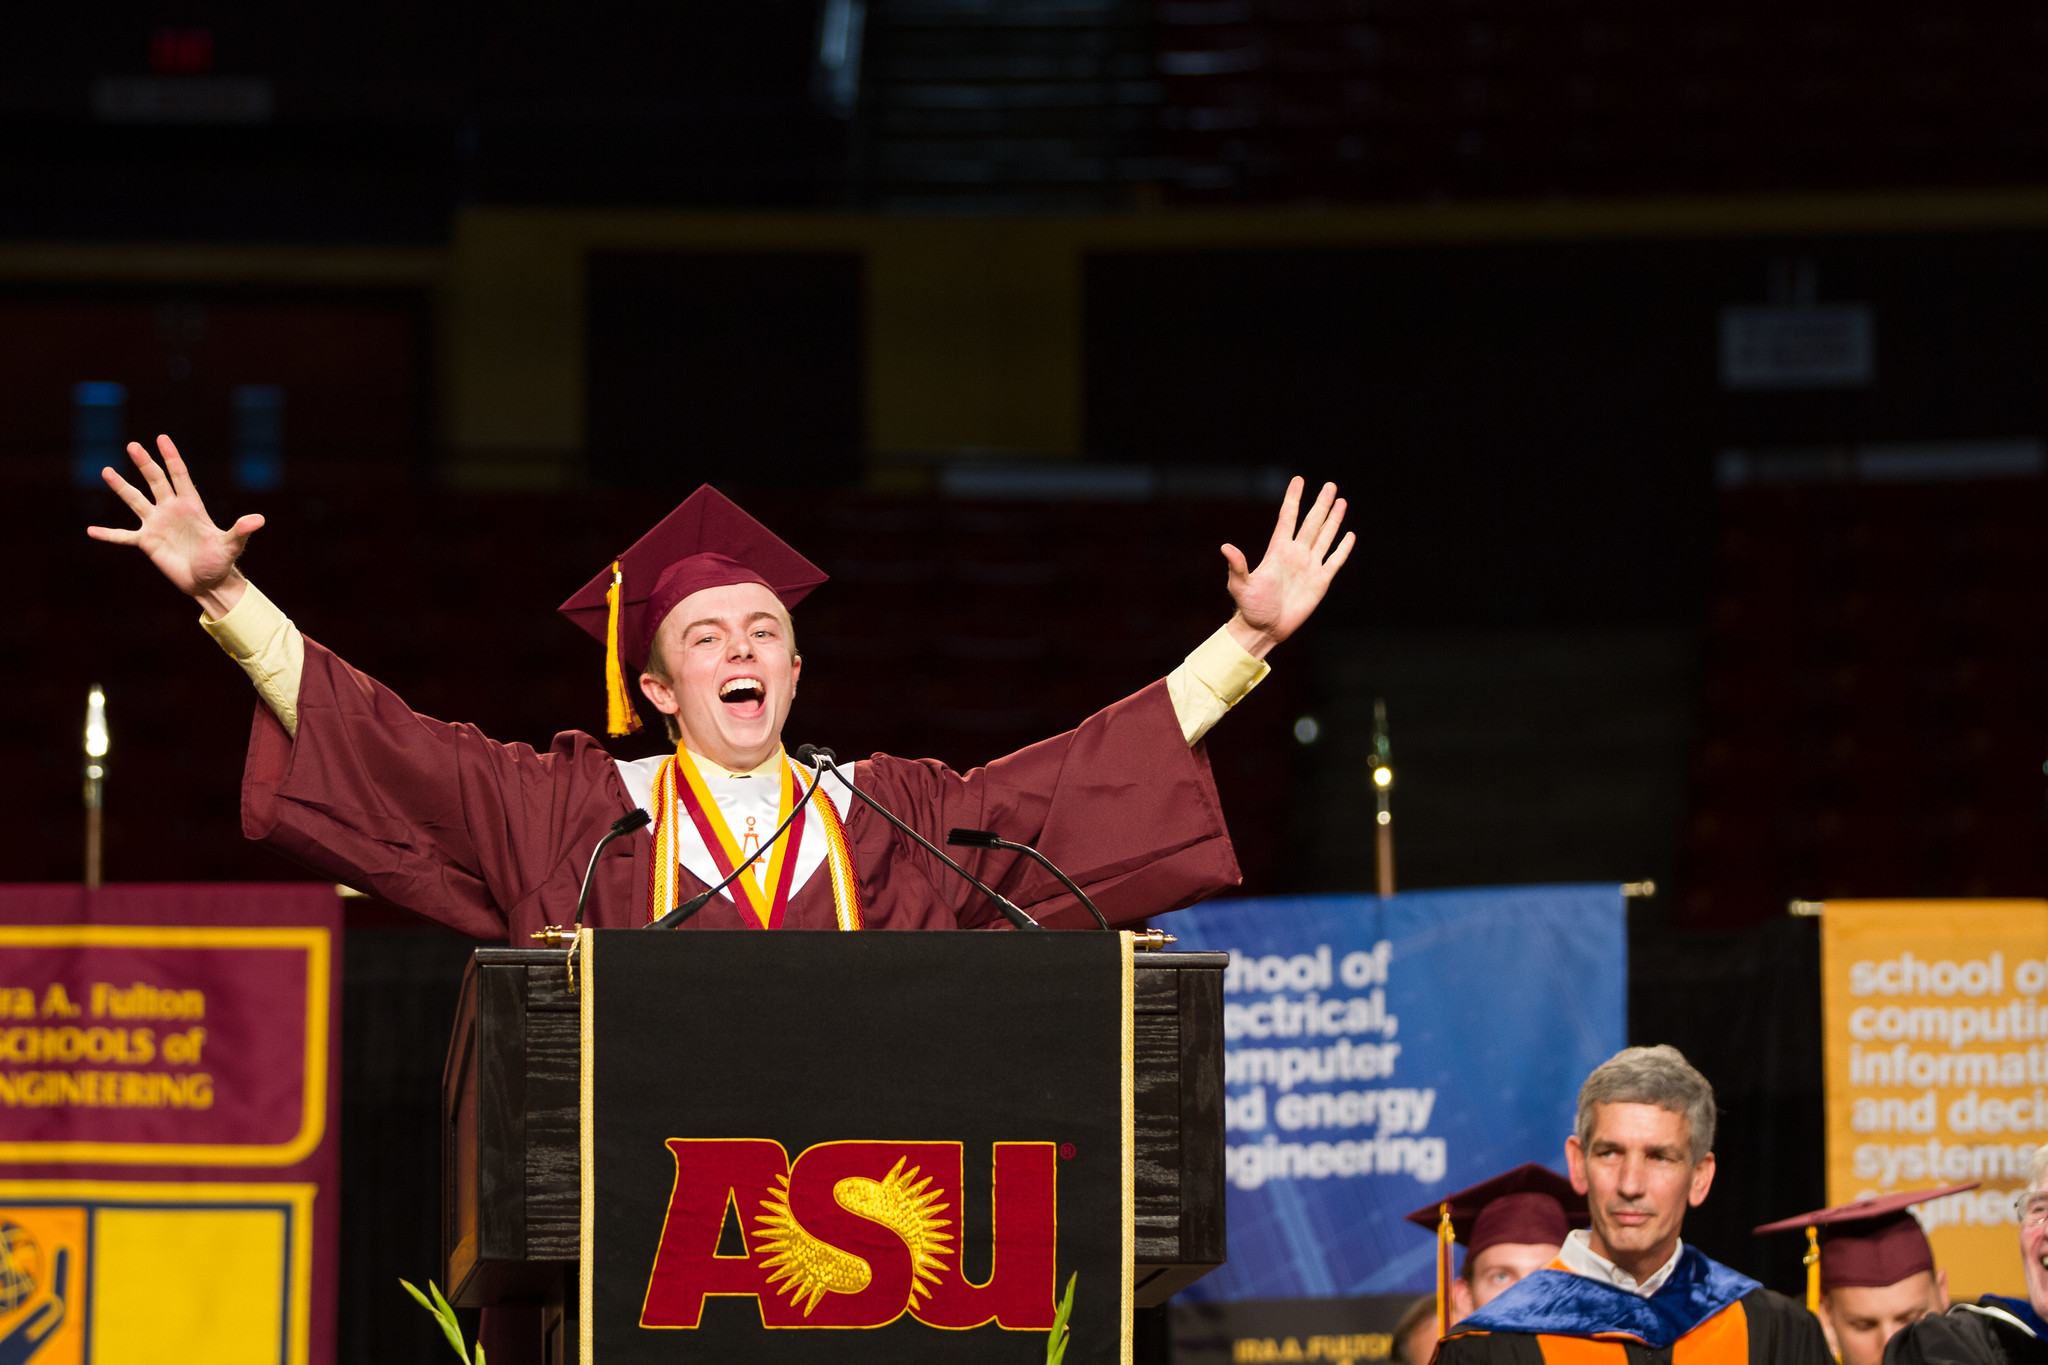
(798, 1263)
(807, 1269)
(911, 1211)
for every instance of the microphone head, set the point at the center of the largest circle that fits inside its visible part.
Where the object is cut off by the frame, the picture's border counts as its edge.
(973, 838)
(811, 755)
(631, 821)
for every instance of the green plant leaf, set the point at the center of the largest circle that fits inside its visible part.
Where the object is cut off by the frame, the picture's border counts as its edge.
(418, 1297)
(444, 1317)
(1056, 1340)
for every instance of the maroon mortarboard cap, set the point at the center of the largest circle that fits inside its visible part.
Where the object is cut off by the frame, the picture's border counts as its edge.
(1871, 1242)
(1531, 1204)
(707, 542)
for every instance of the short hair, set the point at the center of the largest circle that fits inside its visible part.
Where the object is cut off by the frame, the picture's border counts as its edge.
(2037, 1167)
(1652, 1075)
(1412, 1318)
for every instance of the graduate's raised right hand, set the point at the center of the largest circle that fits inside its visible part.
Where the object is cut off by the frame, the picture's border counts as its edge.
(176, 532)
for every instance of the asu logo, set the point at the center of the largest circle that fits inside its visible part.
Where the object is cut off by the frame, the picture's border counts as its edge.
(854, 1234)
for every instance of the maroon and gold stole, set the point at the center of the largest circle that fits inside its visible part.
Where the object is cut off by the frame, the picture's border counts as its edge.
(675, 801)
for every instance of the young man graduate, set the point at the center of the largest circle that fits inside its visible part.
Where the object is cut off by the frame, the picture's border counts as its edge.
(1627, 1290)
(1510, 1226)
(493, 839)
(1869, 1270)
(1995, 1330)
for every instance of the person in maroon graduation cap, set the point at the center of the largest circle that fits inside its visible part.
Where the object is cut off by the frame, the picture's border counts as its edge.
(493, 839)
(1510, 1225)
(1870, 1271)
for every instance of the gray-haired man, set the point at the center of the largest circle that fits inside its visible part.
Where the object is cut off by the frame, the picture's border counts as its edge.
(1995, 1330)
(1627, 1290)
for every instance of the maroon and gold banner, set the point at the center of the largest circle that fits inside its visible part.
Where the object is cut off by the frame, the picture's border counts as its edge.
(168, 1123)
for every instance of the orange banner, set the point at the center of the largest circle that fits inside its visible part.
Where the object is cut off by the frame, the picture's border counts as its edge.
(1936, 1022)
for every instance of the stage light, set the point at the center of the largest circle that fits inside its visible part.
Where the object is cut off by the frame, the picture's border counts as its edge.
(1383, 777)
(96, 724)
(1306, 730)
(96, 746)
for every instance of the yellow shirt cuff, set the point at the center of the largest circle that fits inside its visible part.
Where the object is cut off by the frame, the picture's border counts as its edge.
(1210, 681)
(269, 649)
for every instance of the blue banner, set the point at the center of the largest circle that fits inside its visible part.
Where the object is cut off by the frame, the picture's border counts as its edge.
(1383, 1053)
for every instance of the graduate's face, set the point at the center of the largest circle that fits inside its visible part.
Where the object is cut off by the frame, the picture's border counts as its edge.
(1860, 1319)
(1499, 1267)
(1638, 1176)
(731, 672)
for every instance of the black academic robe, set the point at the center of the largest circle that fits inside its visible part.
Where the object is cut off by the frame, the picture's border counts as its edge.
(492, 839)
(1992, 1331)
(1705, 1314)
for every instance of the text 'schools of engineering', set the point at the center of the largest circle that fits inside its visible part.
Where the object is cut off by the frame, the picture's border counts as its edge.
(1380, 1052)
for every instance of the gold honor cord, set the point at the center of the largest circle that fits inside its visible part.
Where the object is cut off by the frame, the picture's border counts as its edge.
(725, 855)
(663, 872)
(839, 864)
(749, 882)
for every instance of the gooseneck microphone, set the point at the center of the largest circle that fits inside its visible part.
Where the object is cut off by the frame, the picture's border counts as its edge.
(678, 917)
(827, 761)
(621, 827)
(984, 838)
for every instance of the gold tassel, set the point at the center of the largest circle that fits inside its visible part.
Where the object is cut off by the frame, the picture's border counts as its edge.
(619, 716)
(1813, 1270)
(1445, 1236)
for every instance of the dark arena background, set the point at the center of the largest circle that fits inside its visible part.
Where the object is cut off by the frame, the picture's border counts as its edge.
(1008, 314)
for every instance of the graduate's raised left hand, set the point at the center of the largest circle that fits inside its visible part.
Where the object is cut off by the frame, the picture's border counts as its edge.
(1276, 597)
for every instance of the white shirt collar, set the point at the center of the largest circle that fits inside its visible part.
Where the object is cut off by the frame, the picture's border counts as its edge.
(768, 767)
(1580, 1258)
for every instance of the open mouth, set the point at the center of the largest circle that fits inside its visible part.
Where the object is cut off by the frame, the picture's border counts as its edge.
(741, 691)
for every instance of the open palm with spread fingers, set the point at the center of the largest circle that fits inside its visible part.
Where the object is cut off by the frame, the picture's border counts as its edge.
(1276, 597)
(176, 532)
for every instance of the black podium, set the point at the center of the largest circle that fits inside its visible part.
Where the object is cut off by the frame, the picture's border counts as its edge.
(511, 1163)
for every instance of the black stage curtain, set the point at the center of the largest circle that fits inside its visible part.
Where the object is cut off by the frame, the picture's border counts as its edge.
(1744, 1006)
(399, 987)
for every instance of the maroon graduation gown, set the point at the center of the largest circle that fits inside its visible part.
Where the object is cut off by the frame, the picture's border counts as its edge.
(491, 839)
